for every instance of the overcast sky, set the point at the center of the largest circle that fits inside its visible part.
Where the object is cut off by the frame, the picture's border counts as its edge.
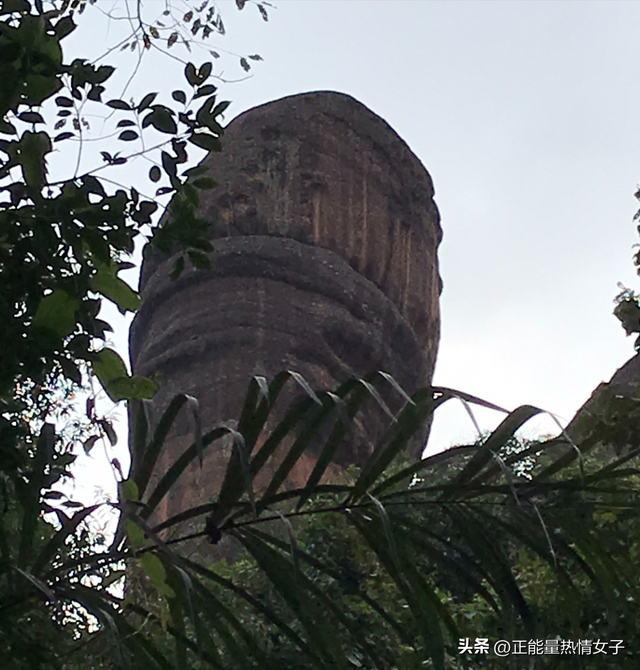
(527, 117)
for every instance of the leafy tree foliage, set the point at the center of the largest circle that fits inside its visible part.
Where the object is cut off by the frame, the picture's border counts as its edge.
(627, 308)
(385, 569)
(63, 244)
(391, 567)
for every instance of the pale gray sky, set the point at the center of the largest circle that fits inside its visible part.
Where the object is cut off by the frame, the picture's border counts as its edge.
(527, 117)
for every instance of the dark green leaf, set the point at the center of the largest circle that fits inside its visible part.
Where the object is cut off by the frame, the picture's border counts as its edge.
(57, 313)
(89, 443)
(178, 268)
(199, 259)
(496, 441)
(33, 147)
(307, 609)
(129, 491)
(101, 75)
(112, 374)
(65, 26)
(57, 542)
(179, 96)
(128, 135)
(93, 185)
(109, 366)
(145, 456)
(40, 87)
(31, 498)
(63, 101)
(107, 283)
(71, 370)
(169, 164)
(175, 471)
(196, 171)
(388, 531)
(119, 104)
(7, 128)
(220, 108)
(144, 212)
(205, 183)
(161, 120)
(155, 570)
(39, 584)
(397, 438)
(146, 101)
(108, 431)
(133, 388)
(205, 71)
(10, 6)
(95, 93)
(205, 141)
(205, 90)
(31, 117)
(191, 74)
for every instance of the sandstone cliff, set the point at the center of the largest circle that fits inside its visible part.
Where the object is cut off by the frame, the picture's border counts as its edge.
(325, 238)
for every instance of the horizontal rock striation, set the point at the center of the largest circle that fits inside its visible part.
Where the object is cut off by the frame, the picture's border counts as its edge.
(325, 239)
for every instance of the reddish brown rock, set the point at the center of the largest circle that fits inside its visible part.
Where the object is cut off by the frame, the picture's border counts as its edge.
(325, 239)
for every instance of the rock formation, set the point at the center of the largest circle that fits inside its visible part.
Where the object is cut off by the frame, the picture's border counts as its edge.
(613, 403)
(325, 237)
